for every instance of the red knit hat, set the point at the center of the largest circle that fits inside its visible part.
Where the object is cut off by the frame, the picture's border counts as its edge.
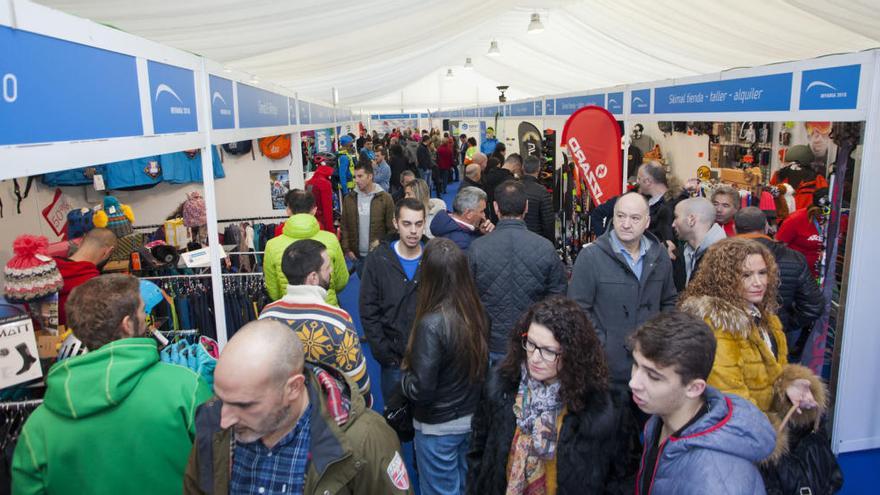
(31, 274)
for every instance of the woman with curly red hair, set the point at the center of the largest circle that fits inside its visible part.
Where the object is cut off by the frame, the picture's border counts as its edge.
(735, 293)
(546, 422)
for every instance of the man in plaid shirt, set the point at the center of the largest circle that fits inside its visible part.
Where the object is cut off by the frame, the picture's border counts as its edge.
(279, 425)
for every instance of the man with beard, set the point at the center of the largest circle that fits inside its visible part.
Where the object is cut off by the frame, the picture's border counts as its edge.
(327, 332)
(116, 410)
(280, 425)
(388, 291)
(84, 264)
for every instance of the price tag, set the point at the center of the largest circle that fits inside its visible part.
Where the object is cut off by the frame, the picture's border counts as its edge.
(98, 181)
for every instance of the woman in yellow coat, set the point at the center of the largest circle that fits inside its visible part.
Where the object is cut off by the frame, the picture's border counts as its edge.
(734, 291)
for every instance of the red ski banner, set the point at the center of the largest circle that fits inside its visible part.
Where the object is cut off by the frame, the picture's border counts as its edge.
(592, 137)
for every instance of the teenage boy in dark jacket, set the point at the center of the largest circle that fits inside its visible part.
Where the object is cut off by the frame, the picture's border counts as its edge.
(388, 291)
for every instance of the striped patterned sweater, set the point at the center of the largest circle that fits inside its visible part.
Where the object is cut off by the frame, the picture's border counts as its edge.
(327, 332)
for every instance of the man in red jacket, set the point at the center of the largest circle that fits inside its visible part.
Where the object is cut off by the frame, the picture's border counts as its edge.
(84, 264)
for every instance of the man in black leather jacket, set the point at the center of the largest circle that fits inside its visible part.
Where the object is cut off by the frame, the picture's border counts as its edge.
(800, 300)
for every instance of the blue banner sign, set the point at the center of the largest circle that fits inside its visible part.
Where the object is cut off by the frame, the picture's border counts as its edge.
(521, 109)
(291, 111)
(260, 108)
(835, 88)
(322, 114)
(222, 110)
(491, 111)
(747, 94)
(324, 140)
(173, 98)
(305, 112)
(54, 90)
(568, 105)
(424, 116)
(640, 101)
(549, 106)
(537, 108)
(470, 112)
(615, 102)
(393, 116)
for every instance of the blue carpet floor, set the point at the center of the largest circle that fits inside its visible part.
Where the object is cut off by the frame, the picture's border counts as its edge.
(348, 300)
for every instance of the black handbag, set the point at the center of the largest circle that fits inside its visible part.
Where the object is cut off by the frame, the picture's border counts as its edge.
(398, 415)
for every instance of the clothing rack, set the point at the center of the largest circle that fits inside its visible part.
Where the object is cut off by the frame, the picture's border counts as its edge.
(20, 403)
(173, 277)
(248, 274)
(226, 220)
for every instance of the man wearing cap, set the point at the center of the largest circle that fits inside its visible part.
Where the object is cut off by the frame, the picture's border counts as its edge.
(100, 408)
(799, 173)
(345, 160)
(801, 302)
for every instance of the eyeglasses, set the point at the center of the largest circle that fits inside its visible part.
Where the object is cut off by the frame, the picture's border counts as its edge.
(543, 352)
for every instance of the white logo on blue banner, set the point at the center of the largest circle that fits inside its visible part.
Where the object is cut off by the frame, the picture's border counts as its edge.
(305, 112)
(260, 108)
(222, 111)
(640, 101)
(550, 107)
(174, 98)
(747, 94)
(615, 102)
(835, 88)
(323, 140)
(570, 104)
(54, 90)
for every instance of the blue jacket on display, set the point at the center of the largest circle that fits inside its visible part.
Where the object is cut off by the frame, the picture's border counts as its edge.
(179, 168)
(716, 454)
(144, 171)
(75, 177)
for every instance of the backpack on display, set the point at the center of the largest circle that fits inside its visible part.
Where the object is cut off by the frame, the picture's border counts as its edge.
(239, 148)
(275, 147)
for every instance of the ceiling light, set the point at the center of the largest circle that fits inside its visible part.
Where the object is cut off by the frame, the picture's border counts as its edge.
(494, 51)
(227, 70)
(255, 80)
(468, 65)
(449, 74)
(535, 25)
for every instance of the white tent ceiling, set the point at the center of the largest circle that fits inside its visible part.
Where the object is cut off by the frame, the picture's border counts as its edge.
(393, 55)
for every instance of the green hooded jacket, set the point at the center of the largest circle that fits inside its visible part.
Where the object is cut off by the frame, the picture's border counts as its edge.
(115, 420)
(298, 227)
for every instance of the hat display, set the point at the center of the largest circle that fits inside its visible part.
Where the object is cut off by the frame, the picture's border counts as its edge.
(31, 274)
(115, 216)
(800, 153)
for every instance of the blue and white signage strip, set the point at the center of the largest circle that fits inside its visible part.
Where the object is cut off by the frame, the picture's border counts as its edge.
(305, 109)
(569, 104)
(640, 101)
(748, 94)
(550, 106)
(291, 111)
(614, 103)
(834, 88)
(537, 107)
(521, 109)
(172, 98)
(260, 108)
(54, 90)
(322, 115)
(222, 103)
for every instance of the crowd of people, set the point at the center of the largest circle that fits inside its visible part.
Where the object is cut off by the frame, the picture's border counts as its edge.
(520, 379)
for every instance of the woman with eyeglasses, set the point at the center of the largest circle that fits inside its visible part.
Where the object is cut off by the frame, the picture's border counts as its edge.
(444, 366)
(546, 422)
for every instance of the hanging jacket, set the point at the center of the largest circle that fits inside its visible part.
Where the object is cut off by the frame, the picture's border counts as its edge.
(115, 420)
(298, 227)
(74, 273)
(716, 454)
(358, 456)
(322, 190)
(617, 302)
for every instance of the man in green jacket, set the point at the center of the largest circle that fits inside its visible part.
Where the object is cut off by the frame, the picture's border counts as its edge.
(302, 225)
(279, 425)
(115, 420)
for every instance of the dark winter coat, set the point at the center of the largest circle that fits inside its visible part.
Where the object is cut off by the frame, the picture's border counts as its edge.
(467, 182)
(437, 381)
(399, 164)
(444, 226)
(593, 456)
(424, 158)
(492, 179)
(387, 304)
(716, 454)
(617, 302)
(513, 269)
(801, 301)
(540, 218)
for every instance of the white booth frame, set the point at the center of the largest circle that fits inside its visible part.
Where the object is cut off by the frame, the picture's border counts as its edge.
(858, 388)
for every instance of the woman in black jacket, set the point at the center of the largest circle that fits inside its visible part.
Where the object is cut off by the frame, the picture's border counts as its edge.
(546, 422)
(444, 366)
